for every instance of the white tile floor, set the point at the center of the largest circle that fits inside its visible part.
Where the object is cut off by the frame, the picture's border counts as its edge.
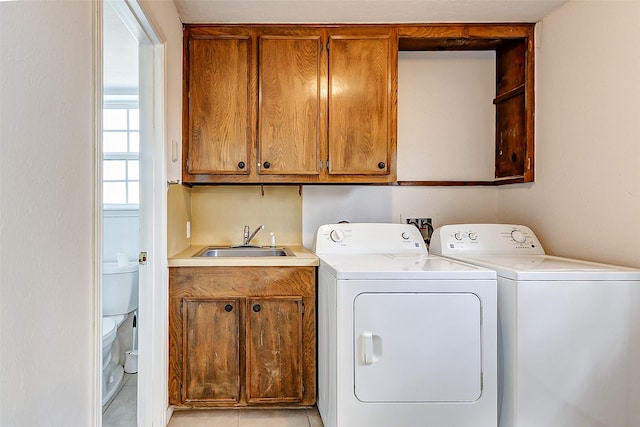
(123, 409)
(122, 412)
(247, 418)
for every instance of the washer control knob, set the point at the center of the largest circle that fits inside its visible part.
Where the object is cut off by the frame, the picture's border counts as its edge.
(473, 236)
(517, 236)
(405, 236)
(458, 236)
(336, 235)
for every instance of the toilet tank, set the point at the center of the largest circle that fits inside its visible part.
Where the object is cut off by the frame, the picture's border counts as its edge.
(119, 288)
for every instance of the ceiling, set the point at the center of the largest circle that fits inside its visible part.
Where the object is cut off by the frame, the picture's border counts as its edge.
(363, 11)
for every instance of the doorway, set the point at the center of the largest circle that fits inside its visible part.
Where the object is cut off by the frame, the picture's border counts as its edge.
(132, 159)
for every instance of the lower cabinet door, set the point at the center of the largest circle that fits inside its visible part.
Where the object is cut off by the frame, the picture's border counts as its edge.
(211, 356)
(274, 349)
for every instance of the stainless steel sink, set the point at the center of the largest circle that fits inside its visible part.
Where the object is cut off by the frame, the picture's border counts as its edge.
(243, 251)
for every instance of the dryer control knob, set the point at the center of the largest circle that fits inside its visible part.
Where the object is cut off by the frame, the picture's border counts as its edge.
(458, 236)
(473, 236)
(336, 235)
(405, 236)
(518, 236)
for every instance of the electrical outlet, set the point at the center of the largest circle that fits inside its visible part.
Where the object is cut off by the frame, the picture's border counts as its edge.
(425, 225)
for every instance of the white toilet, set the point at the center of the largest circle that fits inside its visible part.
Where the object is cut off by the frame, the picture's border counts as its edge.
(119, 299)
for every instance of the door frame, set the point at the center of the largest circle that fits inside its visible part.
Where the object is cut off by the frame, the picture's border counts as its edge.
(152, 395)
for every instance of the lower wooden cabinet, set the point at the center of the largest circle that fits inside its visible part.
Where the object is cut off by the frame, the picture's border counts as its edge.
(242, 336)
(210, 356)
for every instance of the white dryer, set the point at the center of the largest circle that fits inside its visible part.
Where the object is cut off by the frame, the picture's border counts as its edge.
(569, 329)
(405, 339)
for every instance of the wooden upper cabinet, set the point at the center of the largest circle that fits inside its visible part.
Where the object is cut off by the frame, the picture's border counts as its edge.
(514, 101)
(318, 103)
(362, 86)
(289, 104)
(290, 110)
(217, 120)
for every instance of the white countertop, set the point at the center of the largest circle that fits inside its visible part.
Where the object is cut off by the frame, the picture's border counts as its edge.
(303, 258)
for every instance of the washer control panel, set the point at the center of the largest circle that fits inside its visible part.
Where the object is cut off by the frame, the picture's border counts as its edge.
(507, 239)
(369, 238)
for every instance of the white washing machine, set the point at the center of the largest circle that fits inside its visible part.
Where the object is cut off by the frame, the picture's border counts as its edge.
(570, 329)
(405, 339)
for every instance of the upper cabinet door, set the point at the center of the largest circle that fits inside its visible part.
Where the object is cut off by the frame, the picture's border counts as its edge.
(362, 70)
(219, 104)
(290, 111)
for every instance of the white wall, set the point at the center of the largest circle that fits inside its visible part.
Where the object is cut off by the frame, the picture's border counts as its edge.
(121, 231)
(445, 205)
(585, 201)
(46, 214)
(446, 116)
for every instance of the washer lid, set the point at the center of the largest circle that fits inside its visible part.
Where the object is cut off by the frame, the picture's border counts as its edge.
(400, 266)
(547, 267)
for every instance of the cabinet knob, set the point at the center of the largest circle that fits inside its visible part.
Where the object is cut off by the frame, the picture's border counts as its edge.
(228, 308)
(241, 165)
(381, 165)
(266, 165)
(256, 308)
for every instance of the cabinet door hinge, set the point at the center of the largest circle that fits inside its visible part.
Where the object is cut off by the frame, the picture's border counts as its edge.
(181, 301)
(181, 395)
(327, 164)
(303, 309)
(327, 45)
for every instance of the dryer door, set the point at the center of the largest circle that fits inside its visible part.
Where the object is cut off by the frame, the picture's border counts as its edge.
(417, 347)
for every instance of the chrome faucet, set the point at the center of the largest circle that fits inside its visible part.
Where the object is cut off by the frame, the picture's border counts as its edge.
(247, 237)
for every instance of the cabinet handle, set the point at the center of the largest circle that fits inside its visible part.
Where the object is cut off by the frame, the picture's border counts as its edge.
(256, 308)
(228, 308)
(241, 165)
(381, 165)
(266, 165)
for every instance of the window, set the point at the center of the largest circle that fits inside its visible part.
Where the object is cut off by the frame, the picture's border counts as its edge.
(121, 155)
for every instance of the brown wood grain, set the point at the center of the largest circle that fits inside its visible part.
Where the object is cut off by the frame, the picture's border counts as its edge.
(510, 134)
(359, 104)
(219, 105)
(283, 288)
(211, 357)
(274, 349)
(290, 104)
